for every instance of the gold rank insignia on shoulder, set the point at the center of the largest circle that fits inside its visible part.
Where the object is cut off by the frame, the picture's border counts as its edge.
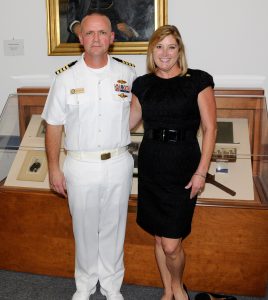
(124, 62)
(188, 75)
(77, 91)
(66, 67)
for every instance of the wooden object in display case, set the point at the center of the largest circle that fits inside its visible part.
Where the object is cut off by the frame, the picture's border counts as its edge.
(31, 101)
(226, 251)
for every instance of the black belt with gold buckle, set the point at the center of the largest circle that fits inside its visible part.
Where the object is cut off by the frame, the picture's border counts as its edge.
(105, 156)
(169, 135)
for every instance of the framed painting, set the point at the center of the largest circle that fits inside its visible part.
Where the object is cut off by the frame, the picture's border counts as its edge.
(133, 22)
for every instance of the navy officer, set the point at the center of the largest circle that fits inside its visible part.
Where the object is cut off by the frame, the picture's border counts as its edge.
(91, 101)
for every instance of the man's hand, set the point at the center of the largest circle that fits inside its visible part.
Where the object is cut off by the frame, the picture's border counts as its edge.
(57, 182)
(127, 30)
(53, 144)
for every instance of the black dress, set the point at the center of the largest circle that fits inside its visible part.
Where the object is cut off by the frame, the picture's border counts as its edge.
(164, 205)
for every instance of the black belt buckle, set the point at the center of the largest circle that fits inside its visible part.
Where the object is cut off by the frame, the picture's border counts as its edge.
(165, 135)
(171, 136)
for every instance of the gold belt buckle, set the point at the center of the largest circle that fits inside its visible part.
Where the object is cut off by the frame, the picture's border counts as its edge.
(105, 156)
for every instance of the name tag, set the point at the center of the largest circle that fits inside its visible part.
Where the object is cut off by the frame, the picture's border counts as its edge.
(77, 91)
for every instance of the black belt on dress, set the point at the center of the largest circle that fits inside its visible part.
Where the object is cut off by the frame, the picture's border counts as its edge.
(169, 135)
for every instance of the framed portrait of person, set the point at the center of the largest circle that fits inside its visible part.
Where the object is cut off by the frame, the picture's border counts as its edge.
(133, 22)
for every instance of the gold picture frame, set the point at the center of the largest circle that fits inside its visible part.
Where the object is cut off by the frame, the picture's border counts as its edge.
(57, 28)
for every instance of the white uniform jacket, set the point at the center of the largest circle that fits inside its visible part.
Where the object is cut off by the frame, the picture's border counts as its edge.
(93, 106)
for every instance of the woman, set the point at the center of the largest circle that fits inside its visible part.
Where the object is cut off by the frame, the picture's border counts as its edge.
(172, 100)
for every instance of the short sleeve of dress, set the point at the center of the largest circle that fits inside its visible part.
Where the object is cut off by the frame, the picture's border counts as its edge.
(205, 80)
(137, 87)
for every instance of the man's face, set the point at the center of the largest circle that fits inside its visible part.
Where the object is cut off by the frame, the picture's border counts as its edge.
(96, 35)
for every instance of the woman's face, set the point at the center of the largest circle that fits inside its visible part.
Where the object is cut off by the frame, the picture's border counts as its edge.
(165, 54)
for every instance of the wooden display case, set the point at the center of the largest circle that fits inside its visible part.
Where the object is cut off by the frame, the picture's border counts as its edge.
(226, 251)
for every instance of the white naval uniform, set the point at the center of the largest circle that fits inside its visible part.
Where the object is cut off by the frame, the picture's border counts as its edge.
(93, 106)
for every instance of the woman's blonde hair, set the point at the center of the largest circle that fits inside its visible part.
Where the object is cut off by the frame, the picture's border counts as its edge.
(157, 37)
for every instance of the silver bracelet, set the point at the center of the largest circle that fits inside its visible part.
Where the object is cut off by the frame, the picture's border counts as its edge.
(198, 174)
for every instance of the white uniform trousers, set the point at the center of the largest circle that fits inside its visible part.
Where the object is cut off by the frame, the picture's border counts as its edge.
(98, 194)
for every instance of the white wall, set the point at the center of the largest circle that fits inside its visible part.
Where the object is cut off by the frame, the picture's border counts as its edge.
(228, 38)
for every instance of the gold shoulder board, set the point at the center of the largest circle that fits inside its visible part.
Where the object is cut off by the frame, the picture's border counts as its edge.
(66, 67)
(124, 62)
